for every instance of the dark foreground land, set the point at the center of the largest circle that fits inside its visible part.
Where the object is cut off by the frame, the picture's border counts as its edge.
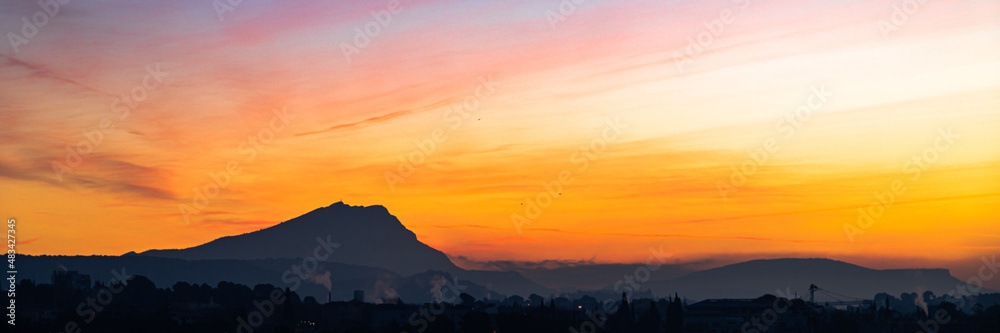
(135, 304)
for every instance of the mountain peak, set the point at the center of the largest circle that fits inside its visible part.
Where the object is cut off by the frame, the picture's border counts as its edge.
(340, 205)
(365, 235)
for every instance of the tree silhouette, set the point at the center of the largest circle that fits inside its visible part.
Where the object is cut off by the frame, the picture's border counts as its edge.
(474, 322)
(467, 300)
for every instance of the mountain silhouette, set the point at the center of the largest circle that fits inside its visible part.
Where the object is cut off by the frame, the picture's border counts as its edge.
(367, 236)
(757, 277)
(375, 253)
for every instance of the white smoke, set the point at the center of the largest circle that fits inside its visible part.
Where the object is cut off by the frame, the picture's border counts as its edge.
(322, 279)
(383, 288)
(438, 282)
(920, 302)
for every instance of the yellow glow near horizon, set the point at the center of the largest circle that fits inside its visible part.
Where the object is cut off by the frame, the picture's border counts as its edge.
(690, 121)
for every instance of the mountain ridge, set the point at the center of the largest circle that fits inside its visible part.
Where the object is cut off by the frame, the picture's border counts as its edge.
(356, 230)
(753, 278)
(367, 236)
(370, 236)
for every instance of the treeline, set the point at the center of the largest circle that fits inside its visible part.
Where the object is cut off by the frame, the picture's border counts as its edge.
(135, 304)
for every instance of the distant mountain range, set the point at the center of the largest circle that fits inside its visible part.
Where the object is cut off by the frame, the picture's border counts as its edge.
(370, 250)
(794, 276)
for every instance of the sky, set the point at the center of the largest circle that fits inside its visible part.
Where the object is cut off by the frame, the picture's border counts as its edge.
(864, 131)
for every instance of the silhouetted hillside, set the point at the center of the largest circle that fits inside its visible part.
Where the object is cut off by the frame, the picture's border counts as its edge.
(363, 248)
(756, 277)
(370, 250)
(367, 236)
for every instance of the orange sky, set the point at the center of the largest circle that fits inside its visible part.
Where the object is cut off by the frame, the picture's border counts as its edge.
(502, 99)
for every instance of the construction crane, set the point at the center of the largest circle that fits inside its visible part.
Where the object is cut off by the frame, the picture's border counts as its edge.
(812, 293)
(841, 300)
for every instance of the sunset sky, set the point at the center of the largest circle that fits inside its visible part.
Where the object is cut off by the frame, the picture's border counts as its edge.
(488, 100)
